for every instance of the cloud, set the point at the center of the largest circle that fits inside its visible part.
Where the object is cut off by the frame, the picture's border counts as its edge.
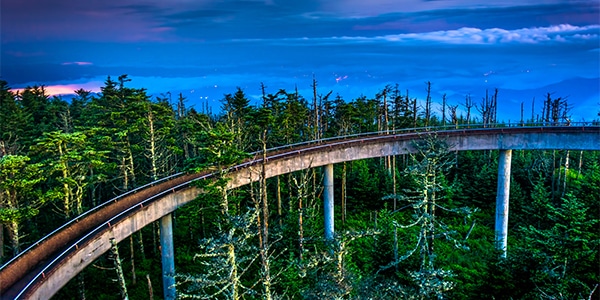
(77, 63)
(558, 33)
(131, 21)
(475, 36)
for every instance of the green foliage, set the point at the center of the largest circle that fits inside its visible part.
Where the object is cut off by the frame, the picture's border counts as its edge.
(14, 122)
(562, 253)
(224, 260)
(366, 190)
(217, 149)
(20, 195)
(70, 161)
(86, 150)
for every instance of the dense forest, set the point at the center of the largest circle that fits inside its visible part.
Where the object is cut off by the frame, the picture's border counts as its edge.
(417, 226)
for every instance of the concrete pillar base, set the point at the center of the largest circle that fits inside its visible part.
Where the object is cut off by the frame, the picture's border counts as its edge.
(328, 202)
(502, 197)
(168, 257)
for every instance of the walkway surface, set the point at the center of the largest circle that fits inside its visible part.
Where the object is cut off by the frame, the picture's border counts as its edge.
(42, 269)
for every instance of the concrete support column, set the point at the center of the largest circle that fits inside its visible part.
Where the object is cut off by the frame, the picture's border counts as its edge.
(328, 202)
(168, 257)
(502, 196)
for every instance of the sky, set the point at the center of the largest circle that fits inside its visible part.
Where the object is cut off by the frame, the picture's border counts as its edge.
(204, 49)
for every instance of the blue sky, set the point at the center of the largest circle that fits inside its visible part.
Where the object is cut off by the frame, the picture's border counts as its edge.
(204, 48)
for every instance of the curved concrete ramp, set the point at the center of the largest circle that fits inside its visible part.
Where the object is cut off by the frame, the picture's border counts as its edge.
(42, 270)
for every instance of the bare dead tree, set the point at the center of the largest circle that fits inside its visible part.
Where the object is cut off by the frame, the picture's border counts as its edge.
(301, 194)
(444, 109)
(453, 117)
(468, 105)
(415, 110)
(522, 122)
(428, 104)
(488, 108)
(316, 108)
(224, 261)
(494, 109)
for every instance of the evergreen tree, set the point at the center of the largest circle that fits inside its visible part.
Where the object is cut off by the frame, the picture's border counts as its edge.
(71, 160)
(559, 250)
(20, 195)
(14, 122)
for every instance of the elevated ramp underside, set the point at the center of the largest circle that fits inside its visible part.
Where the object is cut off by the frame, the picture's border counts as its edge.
(42, 270)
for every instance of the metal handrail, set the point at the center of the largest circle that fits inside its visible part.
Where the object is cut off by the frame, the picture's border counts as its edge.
(289, 146)
(88, 212)
(103, 225)
(244, 164)
(431, 128)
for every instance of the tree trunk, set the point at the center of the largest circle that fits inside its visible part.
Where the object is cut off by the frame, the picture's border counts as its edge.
(495, 107)
(553, 188)
(396, 248)
(66, 190)
(300, 225)
(13, 233)
(150, 290)
(432, 212)
(559, 179)
(565, 176)
(125, 174)
(468, 106)
(155, 233)
(395, 207)
(141, 245)
(234, 272)
(428, 104)
(316, 107)
(290, 199)
(224, 201)
(314, 186)
(279, 208)
(385, 112)
(132, 258)
(393, 171)
(264, 226)
(343, 194)
(131, 165)
(415, 114)
(302, 192)
(580, 163)
(522, 122)
(151, 131)
(114, 256)
(386, 125)
(375, 220)
(444, 110)
(1, 244)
